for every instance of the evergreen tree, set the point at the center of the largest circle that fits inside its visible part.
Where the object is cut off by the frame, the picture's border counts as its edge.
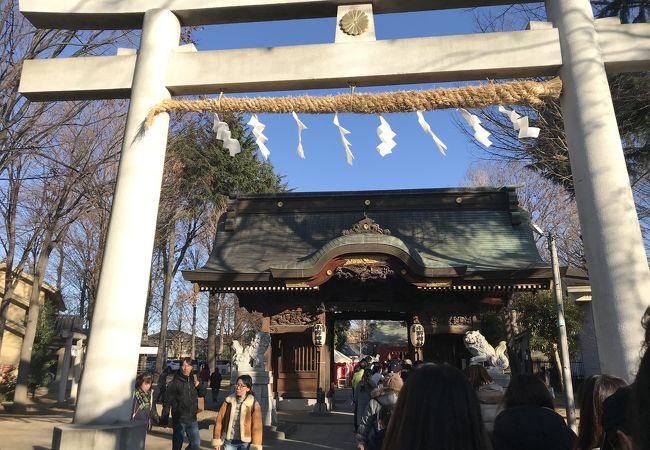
(199, 175)
(43, 358)
(206, 171)
(537, 313)
(341, 328)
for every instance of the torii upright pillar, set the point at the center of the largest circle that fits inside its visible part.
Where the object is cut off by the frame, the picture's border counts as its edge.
(618, 268)
(105, 393)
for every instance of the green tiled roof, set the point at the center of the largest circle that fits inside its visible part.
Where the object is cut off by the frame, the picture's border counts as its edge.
(483, 231)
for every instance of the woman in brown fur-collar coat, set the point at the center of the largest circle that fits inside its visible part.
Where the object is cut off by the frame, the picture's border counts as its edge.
(239, 422)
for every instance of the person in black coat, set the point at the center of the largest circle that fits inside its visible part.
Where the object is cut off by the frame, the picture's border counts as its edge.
(529, 420)
(162, 384)
(182, 397)
(215, 384)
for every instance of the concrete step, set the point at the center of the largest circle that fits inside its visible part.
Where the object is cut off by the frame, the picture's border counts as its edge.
(273, 433)
(285, 429)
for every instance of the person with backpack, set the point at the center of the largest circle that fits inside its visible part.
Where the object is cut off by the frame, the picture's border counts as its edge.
(357, 376)
(239, 422)
(377, 439)
(384, 397)
(362, 396)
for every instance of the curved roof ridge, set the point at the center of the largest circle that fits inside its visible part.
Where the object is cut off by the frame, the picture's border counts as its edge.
(366, 243)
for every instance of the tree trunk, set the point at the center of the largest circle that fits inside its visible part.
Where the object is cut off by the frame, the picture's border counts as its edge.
(59, 268)
(179, 337)
(145, 323)
(20, 395)
(193, 352)
(168, 261)
(82, 299)
(213, 306)
(92, 297)
(4, 306)
(93, 280)
(10, 225)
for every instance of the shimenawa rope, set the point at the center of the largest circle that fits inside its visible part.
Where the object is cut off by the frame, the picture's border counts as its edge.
(512, 93)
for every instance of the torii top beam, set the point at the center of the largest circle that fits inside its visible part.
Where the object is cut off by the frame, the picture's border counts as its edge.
(513, 54)
(128, 14)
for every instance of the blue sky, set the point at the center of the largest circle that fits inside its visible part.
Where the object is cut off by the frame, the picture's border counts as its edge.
(415, 161)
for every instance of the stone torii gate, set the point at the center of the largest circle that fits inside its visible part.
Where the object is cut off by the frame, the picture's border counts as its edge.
(580, 49)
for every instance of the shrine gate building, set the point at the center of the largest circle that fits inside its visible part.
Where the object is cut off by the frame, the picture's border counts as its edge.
(445, 256)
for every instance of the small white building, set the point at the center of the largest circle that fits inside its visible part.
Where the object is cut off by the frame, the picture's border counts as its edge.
(577, 288)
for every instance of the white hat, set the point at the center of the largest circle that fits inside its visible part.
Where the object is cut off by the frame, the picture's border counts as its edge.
(408, 361)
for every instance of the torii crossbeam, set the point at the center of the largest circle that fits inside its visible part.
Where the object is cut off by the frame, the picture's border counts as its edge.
(581, 50)
(624, 48)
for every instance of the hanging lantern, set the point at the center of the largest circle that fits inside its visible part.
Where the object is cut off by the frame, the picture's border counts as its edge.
(416, 333)
(318, 334)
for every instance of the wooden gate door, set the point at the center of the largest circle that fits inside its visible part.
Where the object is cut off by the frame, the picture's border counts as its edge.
(294, 363)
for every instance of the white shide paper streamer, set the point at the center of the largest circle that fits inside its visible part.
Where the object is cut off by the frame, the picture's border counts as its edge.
(520, 123)
(301, 126)
(525, 131)
(222, 132)
(480, 133)
(442, 148)
(386, 135)
(346, 144)
(260, 139)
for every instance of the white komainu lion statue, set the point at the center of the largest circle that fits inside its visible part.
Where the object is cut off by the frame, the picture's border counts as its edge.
(251, 356)
(484, 353)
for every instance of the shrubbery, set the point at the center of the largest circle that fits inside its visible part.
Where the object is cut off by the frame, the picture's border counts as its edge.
(7, 383)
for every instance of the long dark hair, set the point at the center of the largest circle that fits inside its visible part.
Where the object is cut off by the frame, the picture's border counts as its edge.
(591, 395)
(478, 376)
(437, 409)
(527, 390)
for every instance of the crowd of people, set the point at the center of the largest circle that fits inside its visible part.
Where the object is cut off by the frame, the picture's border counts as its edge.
(239, 420)
(426, 406)
(438, 407)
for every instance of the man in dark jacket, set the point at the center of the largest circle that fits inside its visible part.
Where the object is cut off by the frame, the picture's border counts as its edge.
(215, 385)
(182, 397)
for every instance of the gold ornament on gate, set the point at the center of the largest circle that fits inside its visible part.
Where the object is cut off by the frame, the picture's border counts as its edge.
(354, 23)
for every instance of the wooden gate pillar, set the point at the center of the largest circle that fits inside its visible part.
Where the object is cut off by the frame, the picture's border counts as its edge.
(325, 354)
(266, 327)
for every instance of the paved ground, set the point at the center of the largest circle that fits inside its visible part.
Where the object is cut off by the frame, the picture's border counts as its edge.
(335, 432)
(34, 431)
